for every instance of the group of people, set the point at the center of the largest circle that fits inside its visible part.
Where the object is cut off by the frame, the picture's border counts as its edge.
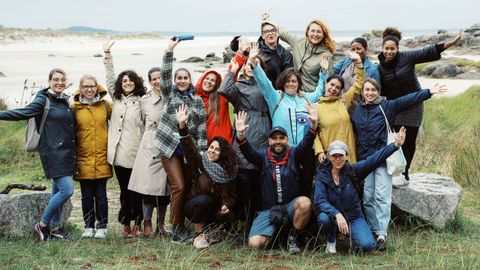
(308, 143)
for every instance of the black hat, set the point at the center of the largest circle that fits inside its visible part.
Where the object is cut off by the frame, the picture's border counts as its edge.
(277, 129)
(234, 43)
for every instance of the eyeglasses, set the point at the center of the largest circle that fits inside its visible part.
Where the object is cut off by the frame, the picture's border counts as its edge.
(271, 31)
(88, 86)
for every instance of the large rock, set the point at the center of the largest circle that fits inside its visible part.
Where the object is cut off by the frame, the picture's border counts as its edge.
(193, 59)
(469, 76)
(474, 30)
(431, 197)
(228, 54)
(441, 69)
(19, 212)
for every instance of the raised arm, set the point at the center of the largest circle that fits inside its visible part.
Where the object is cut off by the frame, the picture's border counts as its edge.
(192, 155)
(228, 89)
(34, 108)
(351, 95)
(108, 63)
(167, 68)
(247, 150)
(201, 127)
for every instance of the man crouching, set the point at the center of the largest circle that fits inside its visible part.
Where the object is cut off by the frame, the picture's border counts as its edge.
(280, 182)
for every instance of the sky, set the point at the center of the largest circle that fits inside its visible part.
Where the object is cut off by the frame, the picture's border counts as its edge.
(238, 16)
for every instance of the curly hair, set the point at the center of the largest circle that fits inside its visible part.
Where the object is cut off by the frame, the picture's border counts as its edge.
(327, 40)
(139, 90)
(228, 158)
(391, 33)
(285, 75)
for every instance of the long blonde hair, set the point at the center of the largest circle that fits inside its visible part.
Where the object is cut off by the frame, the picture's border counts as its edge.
(327, 40)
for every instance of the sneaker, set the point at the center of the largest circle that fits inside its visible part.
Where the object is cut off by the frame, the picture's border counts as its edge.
(180, 235)
(101, 233)
(381, 243)
(137, 231)
(88, 233)
(126, 231)
(331, 248)
(43, 232)
(201, 241)
(292, 245)
(60, 234)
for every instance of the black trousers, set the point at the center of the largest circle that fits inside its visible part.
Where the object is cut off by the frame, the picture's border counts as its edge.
(202, 209)
(248, 196)
(307, 171)
(130, 201)
(409, 145)
(94, 202)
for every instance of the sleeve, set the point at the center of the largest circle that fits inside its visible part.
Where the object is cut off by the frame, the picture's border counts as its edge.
(202, 126)
(109, 109)
(228, 89)
(320, 200)
(320, 89)
(351, 95)
(401, 103)
(252, 155)
(166, 75)
(289, 37)
(228, 194)
(427, 54)
(374, 73)
(272, 97)
(362, 168)
(192, 156)
(110, 75)
(337, 68)
(35, 108)
(305, 145)
(241, 59)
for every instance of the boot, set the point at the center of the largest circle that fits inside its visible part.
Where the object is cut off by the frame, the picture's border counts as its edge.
(147, 228)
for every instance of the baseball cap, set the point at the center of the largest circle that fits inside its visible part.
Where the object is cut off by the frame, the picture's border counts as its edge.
(277, 129)
(337, 147)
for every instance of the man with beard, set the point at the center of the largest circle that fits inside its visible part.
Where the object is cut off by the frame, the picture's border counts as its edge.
(281, 204)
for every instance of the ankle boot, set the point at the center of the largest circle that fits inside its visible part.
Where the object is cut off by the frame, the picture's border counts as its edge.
(147, 228)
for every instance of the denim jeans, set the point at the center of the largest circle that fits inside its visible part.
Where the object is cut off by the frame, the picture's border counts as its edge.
(94, 202)
(62, 190)
(360, 233)
(377, 200)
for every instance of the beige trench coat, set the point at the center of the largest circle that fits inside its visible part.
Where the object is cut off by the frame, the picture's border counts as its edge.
(148, 176)
(126, 124)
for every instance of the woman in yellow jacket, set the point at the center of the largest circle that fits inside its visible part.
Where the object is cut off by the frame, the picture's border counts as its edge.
(333, 107)
(92, 112)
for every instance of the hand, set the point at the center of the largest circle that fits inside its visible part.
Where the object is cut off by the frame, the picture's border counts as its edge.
(107, 45)
(241, 124)
(253, 50)
(172, 44)
(400, 137)
(353, 56)
(454, 41)
(301, 93)
(224, 210)
(233, 65)
(324, 63)
(313, 115)
(321, 157)
(266, 15)
(342, 224)
(182, 115)
(243, 44)
(438, 89)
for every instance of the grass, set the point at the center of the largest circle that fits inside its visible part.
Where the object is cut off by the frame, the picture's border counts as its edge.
(448, 145)
(465, 64)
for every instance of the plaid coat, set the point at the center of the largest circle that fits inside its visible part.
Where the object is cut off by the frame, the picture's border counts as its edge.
(167, 138)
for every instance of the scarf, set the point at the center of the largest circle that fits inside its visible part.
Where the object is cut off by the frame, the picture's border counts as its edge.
(85, 101)
(216, 172)
(278, 160)
(190, 91)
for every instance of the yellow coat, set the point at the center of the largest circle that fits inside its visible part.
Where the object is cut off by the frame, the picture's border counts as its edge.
(92, 138)
(334, 120)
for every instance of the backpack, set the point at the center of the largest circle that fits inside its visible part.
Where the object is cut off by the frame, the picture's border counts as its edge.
(32, 133)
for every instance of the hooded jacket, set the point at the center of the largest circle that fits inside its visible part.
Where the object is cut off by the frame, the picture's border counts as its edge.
(332, 199)
(276, 60)
(92, 137)
(224, 127)
(57, 141)
(369, 122)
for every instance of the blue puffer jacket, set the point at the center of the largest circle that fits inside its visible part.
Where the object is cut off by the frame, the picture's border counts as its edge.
(290, 177)
(290, 113)
(332, 199)
(57, 142)
(369, 123)
(371, 70)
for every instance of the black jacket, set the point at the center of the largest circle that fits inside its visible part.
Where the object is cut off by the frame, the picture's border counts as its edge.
(57, 142)
(276, 60)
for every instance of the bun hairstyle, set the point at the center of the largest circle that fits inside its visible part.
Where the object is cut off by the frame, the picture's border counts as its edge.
(361, 41)
(391, 33)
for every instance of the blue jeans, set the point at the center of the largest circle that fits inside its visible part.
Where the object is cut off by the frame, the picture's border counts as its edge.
(360, 233)
(377, 200)
(62, 190)
(94, 202)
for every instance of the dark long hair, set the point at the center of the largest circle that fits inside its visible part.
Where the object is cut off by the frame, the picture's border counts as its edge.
(139, 90)
(283, 77)
(228, 159)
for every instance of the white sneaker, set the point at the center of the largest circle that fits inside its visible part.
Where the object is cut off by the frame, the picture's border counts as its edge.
(201, 241)
(331, 248)
(88, 233)
(101, 233)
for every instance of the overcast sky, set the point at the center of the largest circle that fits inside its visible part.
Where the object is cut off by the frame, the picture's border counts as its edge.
(238, 16)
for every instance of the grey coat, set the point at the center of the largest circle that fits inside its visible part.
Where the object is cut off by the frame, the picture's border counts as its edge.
(245, 96)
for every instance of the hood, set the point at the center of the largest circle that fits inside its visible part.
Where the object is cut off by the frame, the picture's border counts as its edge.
(199, 88)
(100, 93)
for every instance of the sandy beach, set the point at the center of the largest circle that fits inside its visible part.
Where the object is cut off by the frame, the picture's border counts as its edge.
(32, 59)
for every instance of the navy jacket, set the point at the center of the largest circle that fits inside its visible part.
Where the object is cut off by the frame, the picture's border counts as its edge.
(332, 199)
(290, 177)
(57, 142)
(369, 123)
(276, 60)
